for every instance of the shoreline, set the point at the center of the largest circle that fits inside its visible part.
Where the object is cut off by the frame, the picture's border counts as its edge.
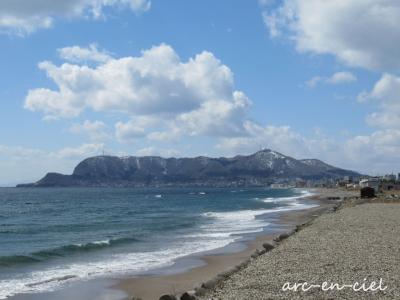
(150, 287)
(350, 253)
(193, 270)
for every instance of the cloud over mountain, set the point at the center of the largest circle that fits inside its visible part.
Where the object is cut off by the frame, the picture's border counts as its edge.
(196, 97)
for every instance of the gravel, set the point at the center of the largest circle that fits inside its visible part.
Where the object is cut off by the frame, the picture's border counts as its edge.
(355, 244)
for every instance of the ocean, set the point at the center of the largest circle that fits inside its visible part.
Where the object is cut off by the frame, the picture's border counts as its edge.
(52, 237)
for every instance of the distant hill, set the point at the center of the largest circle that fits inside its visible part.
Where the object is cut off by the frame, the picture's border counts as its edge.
(261, 168)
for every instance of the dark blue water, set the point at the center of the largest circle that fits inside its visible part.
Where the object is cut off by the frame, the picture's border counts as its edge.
(48, 236)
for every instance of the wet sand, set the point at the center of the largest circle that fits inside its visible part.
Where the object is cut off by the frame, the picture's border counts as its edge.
(152, 287)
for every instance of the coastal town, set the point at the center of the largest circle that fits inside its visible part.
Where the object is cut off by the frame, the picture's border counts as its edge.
(388, 182)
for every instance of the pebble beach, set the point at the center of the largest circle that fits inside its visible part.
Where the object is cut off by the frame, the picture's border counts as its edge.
(353, 246)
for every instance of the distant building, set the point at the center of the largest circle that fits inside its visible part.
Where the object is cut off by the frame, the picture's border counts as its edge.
(389, 177)
(390, 185)
(372, 182)
(347, 179)
(300, 183)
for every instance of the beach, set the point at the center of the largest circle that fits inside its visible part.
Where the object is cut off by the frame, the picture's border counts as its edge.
(331, 236)
(153, 286)
(148, 241)
(356, 244)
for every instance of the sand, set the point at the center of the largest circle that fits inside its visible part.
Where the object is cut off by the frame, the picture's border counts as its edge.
(152, 287)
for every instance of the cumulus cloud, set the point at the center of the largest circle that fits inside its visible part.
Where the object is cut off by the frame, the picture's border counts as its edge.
(24, 17)
(281, 138)
(162, 98)
(386, 93)
(358, 33)
(78, 54)
(95, 130)
(129, 131)
(362, 33)
(196, 97)
(369, 154)
(374, 153)
(336, 78)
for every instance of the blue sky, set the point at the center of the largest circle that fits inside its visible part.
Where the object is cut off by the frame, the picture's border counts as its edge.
(186, 78)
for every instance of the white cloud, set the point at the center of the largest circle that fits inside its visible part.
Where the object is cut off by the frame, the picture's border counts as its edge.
(83, 150)
(385, 118)
(24, 17)
(342, 77)
(313, 82)
(96, 130)
(216, 118)
(79, 152)
(359, 33)
(21, 26)
(386, 93)
(370, 154)
(21, 165)
(152, 151)
(362, 33)
(386, 90)
(129, 131)
(336, 78)
(171, 134)
(164, 98)
(197, 97)
(374, 153)
(78, 54)
(279, 138)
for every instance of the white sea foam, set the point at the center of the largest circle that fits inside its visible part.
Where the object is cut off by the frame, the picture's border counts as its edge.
(230, 225)
(303, 194)
(105, 242)
(224, 228)
(233, 224)
(53, 278)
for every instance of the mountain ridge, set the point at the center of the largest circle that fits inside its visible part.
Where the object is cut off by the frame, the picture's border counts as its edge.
(260, 168)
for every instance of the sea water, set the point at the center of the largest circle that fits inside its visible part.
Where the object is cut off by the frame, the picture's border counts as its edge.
(52, 237)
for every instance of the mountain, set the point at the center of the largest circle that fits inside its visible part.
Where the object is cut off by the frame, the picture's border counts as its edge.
(261, 168)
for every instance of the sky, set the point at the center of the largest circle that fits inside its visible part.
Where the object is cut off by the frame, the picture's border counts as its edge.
(310, 79)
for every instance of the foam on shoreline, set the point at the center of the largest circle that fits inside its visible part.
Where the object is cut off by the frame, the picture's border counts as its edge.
(222, 229)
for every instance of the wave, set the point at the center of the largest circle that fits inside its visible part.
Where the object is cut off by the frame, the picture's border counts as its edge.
(303, 194)
(7, 261)
(63, 251)
(53, 278)
(232, 225)
(219, 230)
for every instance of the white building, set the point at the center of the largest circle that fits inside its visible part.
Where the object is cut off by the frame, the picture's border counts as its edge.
(371, 182)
